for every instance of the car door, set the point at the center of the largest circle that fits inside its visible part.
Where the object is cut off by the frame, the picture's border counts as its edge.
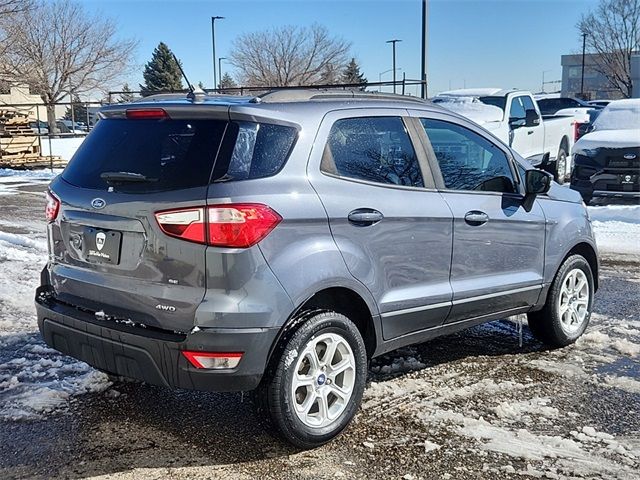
(393, 228)
(535, 133)
(518, 137)
(498, 245)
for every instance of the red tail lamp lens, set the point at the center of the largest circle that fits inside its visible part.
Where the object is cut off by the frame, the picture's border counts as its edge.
(186, 224)
(52, 208)
(146, 114)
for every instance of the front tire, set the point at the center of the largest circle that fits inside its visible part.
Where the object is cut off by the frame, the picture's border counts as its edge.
(561, 166)
(316, 387)
(567, 310)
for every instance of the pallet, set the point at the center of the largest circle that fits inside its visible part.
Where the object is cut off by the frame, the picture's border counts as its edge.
(28, 162)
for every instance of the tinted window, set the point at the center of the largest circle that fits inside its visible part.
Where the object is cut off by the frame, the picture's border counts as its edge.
(499, 102)
(377, 149)
(517, 110)
(548, 106)
(528, 103)
(258, 150)
(467, 160)
(173, 154)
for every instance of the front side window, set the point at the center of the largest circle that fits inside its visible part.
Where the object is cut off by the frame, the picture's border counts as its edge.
(467, 160)
(375, 149)
(517, 111)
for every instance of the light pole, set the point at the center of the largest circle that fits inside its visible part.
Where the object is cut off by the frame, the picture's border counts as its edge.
(584, 42)
(393, 45)
(220, 67)
(425, 45)
(213, 42)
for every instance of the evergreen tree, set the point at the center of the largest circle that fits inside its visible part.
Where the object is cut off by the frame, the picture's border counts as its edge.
(127, 94)
(79, 111)
(161, 73)
(352, 74)
(227, 82)
(201, 85)
(330, 74)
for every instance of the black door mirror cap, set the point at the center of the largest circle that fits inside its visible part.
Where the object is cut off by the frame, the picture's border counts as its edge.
(537, 182)
(532, 118)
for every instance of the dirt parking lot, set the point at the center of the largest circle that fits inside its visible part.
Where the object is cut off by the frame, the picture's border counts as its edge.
(474, 405)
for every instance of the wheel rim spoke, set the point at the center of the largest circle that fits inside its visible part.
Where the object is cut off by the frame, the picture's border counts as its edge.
(573, 302)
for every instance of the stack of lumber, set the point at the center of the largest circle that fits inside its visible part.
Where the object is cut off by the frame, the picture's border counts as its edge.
(19, 146)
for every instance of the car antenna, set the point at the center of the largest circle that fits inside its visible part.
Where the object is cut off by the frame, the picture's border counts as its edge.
(194, 94)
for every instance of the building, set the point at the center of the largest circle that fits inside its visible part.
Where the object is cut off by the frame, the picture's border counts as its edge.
(20, 98)
(596, 85)
(635, 75)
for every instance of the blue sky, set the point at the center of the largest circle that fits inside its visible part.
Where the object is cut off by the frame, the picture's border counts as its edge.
(473, 43)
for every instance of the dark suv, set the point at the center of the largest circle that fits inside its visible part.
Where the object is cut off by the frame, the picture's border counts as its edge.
(278, 243)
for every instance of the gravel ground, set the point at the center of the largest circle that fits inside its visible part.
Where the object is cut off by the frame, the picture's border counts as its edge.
(473, 405)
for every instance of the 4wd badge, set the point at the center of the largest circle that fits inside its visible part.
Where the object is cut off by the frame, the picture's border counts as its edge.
(166, 308)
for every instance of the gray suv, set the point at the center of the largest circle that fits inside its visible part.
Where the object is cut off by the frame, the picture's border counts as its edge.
(278, 243)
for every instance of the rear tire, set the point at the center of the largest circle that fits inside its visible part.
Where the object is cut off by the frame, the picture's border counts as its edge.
(316, 387)
(567, 311)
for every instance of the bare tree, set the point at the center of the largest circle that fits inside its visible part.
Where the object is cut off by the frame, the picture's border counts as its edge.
(58, 49)
(613, 33)
(287, 55)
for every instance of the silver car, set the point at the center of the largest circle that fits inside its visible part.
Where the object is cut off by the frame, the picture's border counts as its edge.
(278, 243)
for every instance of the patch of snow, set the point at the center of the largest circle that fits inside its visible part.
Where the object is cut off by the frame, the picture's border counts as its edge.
(472, 108)
(61, 147)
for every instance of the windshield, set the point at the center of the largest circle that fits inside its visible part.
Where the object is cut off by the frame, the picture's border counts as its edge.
(499, 102)
(621, 115)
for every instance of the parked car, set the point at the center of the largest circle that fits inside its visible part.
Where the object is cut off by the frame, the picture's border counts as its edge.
(39, 127)
(514, 117)
(599, 103)
(74, 127)
(607, 158)
(280, 242)
(550, 104)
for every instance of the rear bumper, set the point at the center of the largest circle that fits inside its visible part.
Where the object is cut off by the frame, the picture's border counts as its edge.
(153, 356)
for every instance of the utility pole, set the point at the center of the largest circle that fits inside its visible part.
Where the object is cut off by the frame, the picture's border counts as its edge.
(393, 45)
(584, 42)
(425, 45)
(542, 87)
(213, 42)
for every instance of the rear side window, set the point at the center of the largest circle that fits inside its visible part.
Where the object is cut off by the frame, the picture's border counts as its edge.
(375, 149)
(171, 154)
(254, 150)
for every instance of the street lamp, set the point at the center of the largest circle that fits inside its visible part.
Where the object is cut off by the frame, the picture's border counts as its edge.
(393, 45)
(213, 41)
(382, 73)
(220, 67)
(584, 40)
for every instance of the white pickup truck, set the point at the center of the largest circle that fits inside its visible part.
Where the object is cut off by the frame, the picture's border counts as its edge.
(514, 117)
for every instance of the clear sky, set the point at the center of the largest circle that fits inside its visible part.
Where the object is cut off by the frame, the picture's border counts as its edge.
(504, 43)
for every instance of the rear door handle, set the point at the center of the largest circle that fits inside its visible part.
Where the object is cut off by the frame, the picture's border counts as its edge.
(476, 217)
(363, 217)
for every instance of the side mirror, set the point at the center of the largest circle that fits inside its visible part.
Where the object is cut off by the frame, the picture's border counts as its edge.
(537, 182)
(532, 119)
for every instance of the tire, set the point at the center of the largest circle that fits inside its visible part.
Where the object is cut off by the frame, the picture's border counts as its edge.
(561, 166)
(298, 412)
(567, 311)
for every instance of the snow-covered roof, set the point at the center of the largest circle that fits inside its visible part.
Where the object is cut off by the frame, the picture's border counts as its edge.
(472, 108)
(545, 96)
(477, 92)
(619, 115)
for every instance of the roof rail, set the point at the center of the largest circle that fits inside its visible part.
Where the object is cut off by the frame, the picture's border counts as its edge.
(299, 95)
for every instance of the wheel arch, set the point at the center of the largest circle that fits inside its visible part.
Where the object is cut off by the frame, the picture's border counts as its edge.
(343, 300)
(589, 253)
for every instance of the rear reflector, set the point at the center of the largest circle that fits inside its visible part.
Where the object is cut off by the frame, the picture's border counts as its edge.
(211, 360)
(146, 114)
(237, 225)
(52, 208)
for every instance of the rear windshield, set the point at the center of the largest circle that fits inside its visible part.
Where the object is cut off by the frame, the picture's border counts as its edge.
(173, 154)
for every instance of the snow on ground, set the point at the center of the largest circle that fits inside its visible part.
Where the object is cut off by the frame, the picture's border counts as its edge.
(61, 147)
(617, 228)
(35, 379)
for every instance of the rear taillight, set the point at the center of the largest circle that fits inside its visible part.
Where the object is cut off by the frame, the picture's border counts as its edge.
(238, 225)
(576, 130)
(146, 114)
(211, 360)
(52, 208)
(187, 224)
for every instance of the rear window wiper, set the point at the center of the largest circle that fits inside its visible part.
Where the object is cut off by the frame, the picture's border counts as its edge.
(113, 178)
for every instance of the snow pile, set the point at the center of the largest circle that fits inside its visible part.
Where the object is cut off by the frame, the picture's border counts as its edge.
(617, 228)
(35, 379)
(61, 147)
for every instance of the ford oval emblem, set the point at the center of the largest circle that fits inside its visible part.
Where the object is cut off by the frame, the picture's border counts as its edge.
(98, 203)
(629, 156)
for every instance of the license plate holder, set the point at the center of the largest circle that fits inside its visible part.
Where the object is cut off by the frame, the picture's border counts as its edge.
(102, 246)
